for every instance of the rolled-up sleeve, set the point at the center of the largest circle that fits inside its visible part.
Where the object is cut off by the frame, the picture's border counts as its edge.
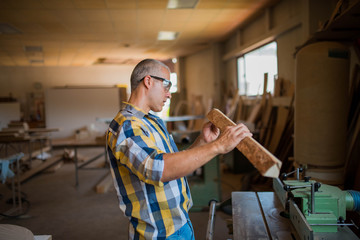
(136, 149)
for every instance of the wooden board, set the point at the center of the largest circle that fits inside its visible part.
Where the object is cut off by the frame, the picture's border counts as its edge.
(239, 110)
(45, 165)
(42, 130)
(265, 118)
(233, 106)
(197, 108)
(282, 115)
(105, 184)
(262, 159)
(263, 99)
(279, 227)
(254, 113)
(281, 101)
(248, 222)
(277, 87)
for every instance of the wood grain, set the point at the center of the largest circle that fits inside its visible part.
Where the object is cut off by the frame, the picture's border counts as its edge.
(262, 159)
(279, 227)
(248, 221)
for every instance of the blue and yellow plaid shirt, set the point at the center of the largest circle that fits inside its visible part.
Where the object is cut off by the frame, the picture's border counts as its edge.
(136, 142)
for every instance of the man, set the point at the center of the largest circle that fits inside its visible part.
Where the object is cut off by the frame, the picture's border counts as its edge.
(147, 168)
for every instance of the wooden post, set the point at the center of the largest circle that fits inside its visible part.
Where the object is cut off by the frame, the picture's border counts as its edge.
(267, 164)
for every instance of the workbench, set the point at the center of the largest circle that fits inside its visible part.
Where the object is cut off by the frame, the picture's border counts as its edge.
(75, 144)
(256, 215)
(11, 145)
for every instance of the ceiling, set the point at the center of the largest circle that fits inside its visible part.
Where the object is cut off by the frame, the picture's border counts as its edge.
(87, 32)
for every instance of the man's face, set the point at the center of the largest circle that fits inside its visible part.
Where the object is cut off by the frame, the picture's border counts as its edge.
(160, 92)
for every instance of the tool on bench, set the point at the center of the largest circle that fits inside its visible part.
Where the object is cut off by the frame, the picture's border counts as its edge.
(317, 211)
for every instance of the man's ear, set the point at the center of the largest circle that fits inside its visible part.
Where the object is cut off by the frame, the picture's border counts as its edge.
(147, 81)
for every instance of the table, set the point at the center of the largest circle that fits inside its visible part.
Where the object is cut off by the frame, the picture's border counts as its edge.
(21, 137)
(16, 144)
(257, 216)
(83, 143)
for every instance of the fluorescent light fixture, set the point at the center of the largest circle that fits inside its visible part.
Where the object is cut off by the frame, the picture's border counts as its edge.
(176, 4)
(167, 35)
(36, 61)
(116, 61)
(33, 48)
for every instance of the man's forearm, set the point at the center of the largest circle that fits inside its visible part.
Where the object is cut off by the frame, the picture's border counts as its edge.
(198, 142)
(182, 163)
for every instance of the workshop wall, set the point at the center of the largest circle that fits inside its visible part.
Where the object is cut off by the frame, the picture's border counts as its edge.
(20, 80)
(28, 84)
(199, 75)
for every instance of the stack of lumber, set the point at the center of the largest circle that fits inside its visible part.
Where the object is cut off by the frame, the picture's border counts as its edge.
(194, 107)
(353, 139)
(277, 121)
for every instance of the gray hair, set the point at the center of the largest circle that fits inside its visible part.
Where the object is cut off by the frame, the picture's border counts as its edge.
(146, 67)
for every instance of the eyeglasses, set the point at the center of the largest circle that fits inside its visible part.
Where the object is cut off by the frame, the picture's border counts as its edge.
(166, 83)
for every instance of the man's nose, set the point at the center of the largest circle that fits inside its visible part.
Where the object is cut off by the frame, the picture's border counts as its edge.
(168, 95)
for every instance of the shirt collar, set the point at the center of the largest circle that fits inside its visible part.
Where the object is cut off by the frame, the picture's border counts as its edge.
(137, 112)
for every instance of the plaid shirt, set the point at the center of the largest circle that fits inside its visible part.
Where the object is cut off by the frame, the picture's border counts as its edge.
(136, 143)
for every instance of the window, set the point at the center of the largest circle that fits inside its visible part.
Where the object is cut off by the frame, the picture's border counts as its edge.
(173, 79)
(252, 66)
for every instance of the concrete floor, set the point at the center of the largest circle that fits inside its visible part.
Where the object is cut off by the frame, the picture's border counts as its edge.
(60, 209)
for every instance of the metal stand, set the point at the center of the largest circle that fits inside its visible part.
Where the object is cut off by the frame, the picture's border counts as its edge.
(16, 196)
(211, 222)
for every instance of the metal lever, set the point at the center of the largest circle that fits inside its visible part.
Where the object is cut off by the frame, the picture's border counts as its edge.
(210, 226)
(297, 171)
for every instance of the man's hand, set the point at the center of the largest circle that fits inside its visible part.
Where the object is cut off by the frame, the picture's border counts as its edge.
(231, 137)
(182, 163)
(210, 132)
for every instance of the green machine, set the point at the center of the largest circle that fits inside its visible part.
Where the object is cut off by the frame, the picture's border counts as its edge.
(317, 211)
(205, 182)
(206, 187)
